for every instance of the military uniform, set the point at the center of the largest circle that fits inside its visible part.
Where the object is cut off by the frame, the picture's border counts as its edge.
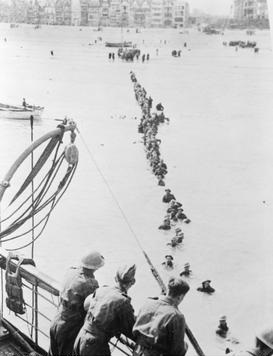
(110, 313)
(159, 329)
(69, 320)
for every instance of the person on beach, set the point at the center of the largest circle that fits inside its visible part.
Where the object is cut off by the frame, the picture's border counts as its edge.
(143, 58)
(159, 329)
(109, 313)
(24, 104)
(52, 53)
(79, 283)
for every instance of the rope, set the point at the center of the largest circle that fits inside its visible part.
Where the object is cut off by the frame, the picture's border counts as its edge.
(153, 269)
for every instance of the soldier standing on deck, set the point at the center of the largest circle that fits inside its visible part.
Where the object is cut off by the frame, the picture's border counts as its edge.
(79, 283)
(160, 327)
(109, 313)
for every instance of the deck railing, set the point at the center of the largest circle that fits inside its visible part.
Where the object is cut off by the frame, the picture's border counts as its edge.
(41, 296)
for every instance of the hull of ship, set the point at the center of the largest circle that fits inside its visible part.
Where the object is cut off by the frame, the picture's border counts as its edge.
(21, 115)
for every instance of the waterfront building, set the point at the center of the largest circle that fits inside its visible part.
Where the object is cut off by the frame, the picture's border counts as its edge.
(238, 9)
(93, 13)
(63, 12)
(84, 12)
(180, 13)
(262, 10)
(167, 13)
(157, 13)
(104, 13)
(141, 13)
(4, 11)
(250, 9)
(115, 13)
(48, 16)
(75, 13)
(18, 11)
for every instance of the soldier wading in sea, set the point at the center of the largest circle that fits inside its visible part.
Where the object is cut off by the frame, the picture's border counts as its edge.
(79, 283)
(264, 345)
(160, 327)
(109, 313)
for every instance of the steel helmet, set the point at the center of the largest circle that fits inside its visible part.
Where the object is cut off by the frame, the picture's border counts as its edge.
(266, 336)
(92, 260)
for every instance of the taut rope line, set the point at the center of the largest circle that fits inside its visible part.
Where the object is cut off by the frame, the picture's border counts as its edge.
(154, 271)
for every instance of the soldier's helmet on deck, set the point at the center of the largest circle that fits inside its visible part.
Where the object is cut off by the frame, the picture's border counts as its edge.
(92, 260)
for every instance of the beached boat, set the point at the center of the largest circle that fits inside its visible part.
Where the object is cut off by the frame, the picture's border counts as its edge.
(20, 112)
(209, 30)
(118, 44)
(41, 290)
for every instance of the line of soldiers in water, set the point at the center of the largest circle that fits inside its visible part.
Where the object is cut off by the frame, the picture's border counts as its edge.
(149, 127)
(149, 124)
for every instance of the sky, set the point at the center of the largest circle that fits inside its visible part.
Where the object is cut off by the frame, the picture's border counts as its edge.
(214, 7)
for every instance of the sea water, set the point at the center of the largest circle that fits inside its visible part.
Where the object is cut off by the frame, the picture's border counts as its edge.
(218, 148)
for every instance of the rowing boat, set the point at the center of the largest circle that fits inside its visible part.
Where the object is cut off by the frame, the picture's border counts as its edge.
(118, 44)
(20, 112)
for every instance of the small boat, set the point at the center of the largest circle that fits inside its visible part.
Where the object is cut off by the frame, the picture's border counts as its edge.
(209, 30)
(20, 112)
(118, 44)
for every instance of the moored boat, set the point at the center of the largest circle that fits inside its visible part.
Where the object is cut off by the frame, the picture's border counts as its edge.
(21, 112)
(118, 44)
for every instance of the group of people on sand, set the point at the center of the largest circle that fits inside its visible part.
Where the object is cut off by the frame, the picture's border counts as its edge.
(111, 56)
(89, 316)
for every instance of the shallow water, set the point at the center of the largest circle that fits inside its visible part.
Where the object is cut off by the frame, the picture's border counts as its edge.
(218, 150)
